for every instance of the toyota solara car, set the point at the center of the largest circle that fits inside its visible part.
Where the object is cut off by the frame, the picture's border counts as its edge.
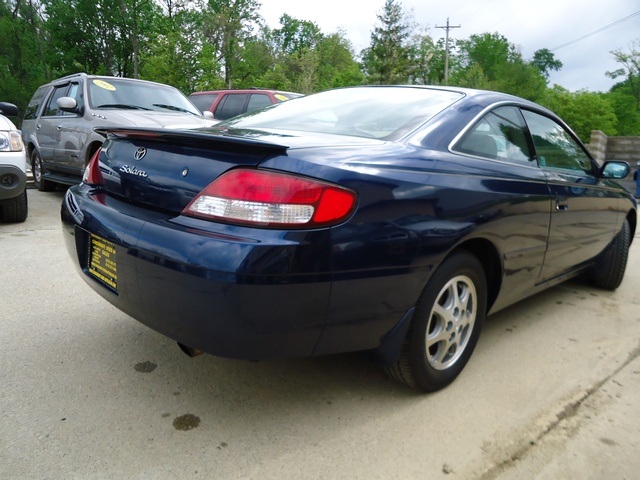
(383, 219)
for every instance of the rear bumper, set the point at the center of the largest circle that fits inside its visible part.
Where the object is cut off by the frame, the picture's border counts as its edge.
(209, 286)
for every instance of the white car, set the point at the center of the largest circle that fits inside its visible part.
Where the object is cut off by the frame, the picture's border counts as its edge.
(13, 168)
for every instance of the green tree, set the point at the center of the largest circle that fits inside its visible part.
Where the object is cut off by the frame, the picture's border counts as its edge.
(118, 30)
(387, 59)
(583, 111)
(489, 50)
(519, 78)
(629, 70)
(228, 25)
(337, 66)
(490, 62)
(625, 95)
(179, 57)
(296, 36)
(545, 61)
(424, 70)
(23, 62)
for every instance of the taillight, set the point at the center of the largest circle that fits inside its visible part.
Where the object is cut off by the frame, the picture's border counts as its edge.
(92, 174)
(271, 199)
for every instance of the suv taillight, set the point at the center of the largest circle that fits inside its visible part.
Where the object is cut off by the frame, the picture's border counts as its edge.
(272, 199)
(92, 174)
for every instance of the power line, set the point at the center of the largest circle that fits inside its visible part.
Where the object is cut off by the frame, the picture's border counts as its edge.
(446, 48)
(602, 29)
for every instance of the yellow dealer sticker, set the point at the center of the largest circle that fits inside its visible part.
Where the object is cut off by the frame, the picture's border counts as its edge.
(105, 85)
(282, 98)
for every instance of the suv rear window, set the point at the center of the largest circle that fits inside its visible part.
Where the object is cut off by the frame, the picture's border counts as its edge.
(230, 106)
(31, 112)
(203, 102)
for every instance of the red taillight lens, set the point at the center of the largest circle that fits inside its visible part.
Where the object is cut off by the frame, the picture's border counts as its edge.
(92, 174)
(271, 199)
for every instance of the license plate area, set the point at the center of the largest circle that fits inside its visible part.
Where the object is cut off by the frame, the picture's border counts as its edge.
(101, 262)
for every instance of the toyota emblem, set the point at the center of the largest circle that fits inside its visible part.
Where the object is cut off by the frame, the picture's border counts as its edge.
(140, 153)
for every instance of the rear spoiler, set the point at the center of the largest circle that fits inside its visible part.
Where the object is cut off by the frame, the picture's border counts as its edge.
(215, 138)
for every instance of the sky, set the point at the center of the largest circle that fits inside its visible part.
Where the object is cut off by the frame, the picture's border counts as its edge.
(558, 25)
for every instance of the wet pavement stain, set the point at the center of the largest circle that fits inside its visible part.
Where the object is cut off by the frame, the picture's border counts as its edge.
(145, 367)
(186, 422)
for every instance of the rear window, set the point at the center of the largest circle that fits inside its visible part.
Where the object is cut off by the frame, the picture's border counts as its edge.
(31, 111)
(232, 104)
(372, 112)
(258, 100)
(203, 102)
(284, 96)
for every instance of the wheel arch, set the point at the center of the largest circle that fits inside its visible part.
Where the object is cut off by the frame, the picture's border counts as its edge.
(632, 219)
(488, 255)
(30, 147)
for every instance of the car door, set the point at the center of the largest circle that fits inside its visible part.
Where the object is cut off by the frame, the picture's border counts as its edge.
(72, 135)
(583, 209)
(521, 233)
(48, 127)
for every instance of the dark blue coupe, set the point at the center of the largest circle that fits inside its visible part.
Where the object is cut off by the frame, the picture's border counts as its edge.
(387, 219)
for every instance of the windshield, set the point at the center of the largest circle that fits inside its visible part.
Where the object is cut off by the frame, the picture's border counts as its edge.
(374, 112)
(135, 95)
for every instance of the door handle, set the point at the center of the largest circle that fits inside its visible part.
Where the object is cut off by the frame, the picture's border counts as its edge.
(59, 127)
(562, 206)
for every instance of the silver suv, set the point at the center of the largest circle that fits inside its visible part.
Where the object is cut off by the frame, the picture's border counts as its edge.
(59, 122)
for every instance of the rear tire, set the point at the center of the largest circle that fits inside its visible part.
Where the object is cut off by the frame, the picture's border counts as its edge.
(38, 170)
(609, 269)
(446, 325)
(14, 209)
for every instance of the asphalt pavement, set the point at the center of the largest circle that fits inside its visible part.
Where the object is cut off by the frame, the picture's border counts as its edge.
(551, 392)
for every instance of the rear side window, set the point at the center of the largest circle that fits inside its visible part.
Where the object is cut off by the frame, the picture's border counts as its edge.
(31, 112)
(258, 100)
(203, 102)
(500, 135)
(231, 105)
(555, 147)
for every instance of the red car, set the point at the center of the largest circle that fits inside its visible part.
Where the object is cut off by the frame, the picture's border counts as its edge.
(225, 104)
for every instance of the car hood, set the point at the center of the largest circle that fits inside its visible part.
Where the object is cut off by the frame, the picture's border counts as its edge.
(155, 119)
(6, 124)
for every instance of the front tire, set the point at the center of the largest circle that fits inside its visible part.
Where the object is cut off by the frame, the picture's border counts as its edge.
(14, 209)
(38, 170)
(446, 325)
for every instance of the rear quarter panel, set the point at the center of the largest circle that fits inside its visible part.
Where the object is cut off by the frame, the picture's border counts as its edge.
(415, 207)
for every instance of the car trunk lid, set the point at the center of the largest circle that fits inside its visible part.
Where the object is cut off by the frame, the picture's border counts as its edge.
(165, 170)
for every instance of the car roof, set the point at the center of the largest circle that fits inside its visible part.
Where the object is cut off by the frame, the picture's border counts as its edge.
(244, 90)
(73, 76)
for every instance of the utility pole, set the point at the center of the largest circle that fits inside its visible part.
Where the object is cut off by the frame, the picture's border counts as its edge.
(447, 27)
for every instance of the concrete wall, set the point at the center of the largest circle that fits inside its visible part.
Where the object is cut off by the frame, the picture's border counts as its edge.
(615, 148)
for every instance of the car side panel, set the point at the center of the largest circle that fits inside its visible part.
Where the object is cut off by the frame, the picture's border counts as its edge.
(584, 221)
(413, 211)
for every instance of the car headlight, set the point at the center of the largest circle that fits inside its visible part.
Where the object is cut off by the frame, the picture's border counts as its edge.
(11, 142)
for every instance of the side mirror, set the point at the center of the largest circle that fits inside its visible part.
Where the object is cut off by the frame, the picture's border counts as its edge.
(67, 104)
(8, 109)
(207, 114)
(615, 169)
